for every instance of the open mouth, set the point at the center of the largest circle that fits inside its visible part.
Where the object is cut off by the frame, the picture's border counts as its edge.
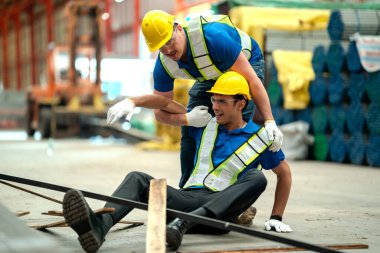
(218, 116)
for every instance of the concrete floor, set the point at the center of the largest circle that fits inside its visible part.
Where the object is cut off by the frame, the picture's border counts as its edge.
(329, 204)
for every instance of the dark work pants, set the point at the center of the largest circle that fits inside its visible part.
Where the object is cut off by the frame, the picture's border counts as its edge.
(199, 96)
(225, 205)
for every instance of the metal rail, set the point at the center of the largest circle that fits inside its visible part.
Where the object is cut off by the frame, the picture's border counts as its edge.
(174, 213)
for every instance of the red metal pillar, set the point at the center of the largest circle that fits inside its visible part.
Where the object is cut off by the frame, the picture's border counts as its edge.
(136, 28)
(108, 28)
(49, 62)
(17, 26)
(32, 46)
(4, 26)
(49, 16)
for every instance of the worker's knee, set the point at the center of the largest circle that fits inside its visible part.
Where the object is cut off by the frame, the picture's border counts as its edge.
(258, 181)
(262, 182)
(138, 177)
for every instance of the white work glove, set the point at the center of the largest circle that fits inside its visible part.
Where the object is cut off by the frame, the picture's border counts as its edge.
(198, 117)
(274, 134)
(277, 225)
(125, 107)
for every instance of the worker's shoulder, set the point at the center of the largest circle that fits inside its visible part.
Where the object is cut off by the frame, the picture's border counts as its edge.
(216, 28)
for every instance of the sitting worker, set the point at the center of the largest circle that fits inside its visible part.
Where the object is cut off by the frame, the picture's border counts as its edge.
(225, 180)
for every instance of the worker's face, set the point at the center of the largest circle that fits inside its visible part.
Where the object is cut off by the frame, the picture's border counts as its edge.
(227, 109)
(174, 48)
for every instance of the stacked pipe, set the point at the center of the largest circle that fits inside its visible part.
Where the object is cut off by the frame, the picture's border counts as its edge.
(328, 95)
(344, 98)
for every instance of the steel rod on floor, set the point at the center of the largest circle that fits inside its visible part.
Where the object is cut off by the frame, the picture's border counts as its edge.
(31, 192)
(174, 213)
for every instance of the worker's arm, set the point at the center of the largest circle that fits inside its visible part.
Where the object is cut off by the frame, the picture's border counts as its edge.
(167, 117)
(159, 102)
(257, 89)
(198, 117)
(166, 110)
(284, 183)
(260, 98)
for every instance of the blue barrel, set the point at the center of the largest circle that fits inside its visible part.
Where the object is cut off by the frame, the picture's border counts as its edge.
(373, 87)
(277, 112)
(320, 147)
(273, 71)
(319, 117)
(336, 89)
(337, 118)
(356, 86)
(319, 60)
(335, 57)
(274, 90)
(337, 147)
(318, 91)
(373, 119)
(335, 26)
(373, 147)
(288, 116)
(353, 59)
(355, 117)
(356, 148)
(305, 115)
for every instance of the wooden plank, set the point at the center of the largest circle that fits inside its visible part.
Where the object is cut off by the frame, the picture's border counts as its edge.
(285, 249)
(156, 226)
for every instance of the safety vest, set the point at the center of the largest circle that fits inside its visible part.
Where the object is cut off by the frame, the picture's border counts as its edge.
(226, 173)
(200, 52)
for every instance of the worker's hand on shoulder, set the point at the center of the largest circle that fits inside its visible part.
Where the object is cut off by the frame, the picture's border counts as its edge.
(198, 117)
(277, 225)
(274, 134)
(125, 107)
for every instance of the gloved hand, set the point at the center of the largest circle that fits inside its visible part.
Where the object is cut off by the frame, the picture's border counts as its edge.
(279, 226)
(125, 107)
(274, 134)
(198, 117)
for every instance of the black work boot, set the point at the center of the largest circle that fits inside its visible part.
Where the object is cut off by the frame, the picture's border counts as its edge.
(175, 231)
(90, 227)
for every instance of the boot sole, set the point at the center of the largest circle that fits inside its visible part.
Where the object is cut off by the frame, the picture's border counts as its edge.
(173, 239)
(76, 213)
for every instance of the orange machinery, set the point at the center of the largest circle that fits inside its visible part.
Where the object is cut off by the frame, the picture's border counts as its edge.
(73, 88)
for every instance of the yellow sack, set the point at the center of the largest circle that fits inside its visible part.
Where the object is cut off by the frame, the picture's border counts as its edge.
(294, 74)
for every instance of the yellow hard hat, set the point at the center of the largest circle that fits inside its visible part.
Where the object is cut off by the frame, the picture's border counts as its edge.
(157, 27)
(231, 83)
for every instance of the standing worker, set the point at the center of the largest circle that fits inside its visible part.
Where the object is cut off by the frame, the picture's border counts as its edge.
(224, 180)
(202, 50)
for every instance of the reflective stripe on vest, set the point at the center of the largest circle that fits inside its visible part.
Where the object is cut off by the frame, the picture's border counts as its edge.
(204, 161)
(200, 52)
(226, 174)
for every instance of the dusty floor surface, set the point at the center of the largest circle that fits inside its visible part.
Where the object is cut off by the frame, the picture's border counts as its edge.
(329, 204)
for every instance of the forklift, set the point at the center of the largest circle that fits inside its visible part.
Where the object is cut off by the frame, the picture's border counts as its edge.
(74, 92)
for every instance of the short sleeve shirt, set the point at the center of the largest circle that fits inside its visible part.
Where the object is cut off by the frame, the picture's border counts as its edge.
(224, 46)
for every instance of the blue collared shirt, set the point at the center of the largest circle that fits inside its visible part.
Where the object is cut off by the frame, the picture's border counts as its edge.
(224, 46)
(229, 141)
